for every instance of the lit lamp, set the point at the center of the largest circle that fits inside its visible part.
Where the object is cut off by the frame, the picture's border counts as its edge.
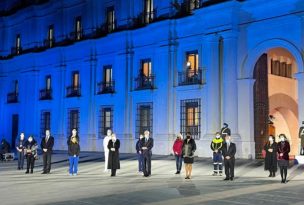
(188, 65)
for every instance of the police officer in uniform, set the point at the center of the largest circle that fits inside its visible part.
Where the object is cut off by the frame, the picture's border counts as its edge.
(216, 147)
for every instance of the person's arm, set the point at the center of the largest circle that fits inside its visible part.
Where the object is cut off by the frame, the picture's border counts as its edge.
(110, 144)
(78, 150)
(212, 146)
(51, 145)
(194, 147)
(233, 151)
(117, 144)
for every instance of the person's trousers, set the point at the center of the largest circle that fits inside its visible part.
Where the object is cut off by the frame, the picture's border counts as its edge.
(229, 167)
(20, 160)
(217, 162)
(179, 162)
(140, 162)
(30, 162)
(47, 157)
(147, 164)
(106, 154)
(113, 172)
(73, 164)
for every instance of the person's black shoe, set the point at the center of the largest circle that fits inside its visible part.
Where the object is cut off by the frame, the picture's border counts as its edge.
(44, 173)
(231, 179)
(31, 171)
(282, 181)
(270, 175)
(27, 172)
(178, 172)
(226, 179)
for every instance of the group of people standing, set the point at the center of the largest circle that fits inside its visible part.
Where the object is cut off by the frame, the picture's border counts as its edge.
(223, 150)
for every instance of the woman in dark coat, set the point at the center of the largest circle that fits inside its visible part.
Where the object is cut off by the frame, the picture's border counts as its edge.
(189, 148)
(271, 156)
(283, 156)
(31, 153)
(113, 163)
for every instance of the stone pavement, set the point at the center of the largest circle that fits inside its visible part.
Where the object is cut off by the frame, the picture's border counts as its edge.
(92, 186)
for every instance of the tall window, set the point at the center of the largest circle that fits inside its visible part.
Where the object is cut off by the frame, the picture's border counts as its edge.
(144, 120)
(73, 120)
(105, 120)
(192, 61)
(45, 122)
(110, 19)
(78, 28)
(148, 11)
(107, 74)
(16, 87)
(18, 44)
(48, 83)
(75, 80)
(51, 36)
(146, 67)
(191, 117)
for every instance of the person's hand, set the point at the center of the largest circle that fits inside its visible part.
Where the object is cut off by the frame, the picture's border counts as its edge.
(176, 153)
(113, 149)
(281, 154)
(270, 150)
(227, 157)
(139, 152)
(45, 150)
(74, 155)
(144, 148)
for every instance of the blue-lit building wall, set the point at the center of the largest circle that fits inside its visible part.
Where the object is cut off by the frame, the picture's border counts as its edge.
(228, 37)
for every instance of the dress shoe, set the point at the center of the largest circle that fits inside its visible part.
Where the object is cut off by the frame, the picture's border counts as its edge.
(231, 179)
(44, 173)
(226, 179)
(27, 172)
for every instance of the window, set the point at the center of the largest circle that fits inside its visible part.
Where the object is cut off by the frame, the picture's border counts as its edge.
(12, 97)
(107, 74)
(192, 4)
(190, 117)
(110, 19)
(45, 122)
(16, 87)
(283, 69)
(73, 121)
(46, 92)
(18, 45)
(144, 119)
(145, 79)
(192, 62)
(146, 69)
(78, 28)
(48, 82)
(148, 11)
(51, 36)
(75, 79)
(105, 120)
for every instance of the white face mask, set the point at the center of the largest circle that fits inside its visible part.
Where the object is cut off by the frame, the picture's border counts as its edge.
(30, 139)
(227, 141)
(217, 136)
(109, 133)
(270, 139)
(282, 139)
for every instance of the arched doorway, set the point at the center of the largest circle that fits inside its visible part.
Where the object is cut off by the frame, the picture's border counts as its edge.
(275, 94)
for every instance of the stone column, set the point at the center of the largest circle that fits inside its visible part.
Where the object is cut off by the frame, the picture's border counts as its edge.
(229, 83)
(245, 117)
(211, 58)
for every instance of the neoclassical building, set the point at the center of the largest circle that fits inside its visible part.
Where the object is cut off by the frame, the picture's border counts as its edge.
(166, 66)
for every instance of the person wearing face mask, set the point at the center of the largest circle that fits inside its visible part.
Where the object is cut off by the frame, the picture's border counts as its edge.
(106, 140)
(177, 149)
(74, 134)
(139, 154)
(31, 153)
(271, 156)
(225, 131)
(73, 151)
(113, 146)
(20, 150)
(301, 136)
(189, 147)
(229, 150)
(216, 147)
(146, 146)
(283, 159)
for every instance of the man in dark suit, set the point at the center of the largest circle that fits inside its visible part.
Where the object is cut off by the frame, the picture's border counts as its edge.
(146, 146)
(47, 144)
(229, 150)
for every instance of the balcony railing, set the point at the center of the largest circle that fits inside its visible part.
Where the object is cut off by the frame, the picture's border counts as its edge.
(192, 77)
(16, 50)
(73, 91)
(49, 43)
(145, 82)
(12, 97)
(106, 87)
(45, 94)
(77, 35)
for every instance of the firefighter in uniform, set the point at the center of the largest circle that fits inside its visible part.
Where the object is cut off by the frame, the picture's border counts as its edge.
(216, 147)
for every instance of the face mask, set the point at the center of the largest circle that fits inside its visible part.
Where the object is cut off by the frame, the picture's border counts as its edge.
(227, 141)
(270, 139)
(30, 139)
(282, 139)
(217, 136)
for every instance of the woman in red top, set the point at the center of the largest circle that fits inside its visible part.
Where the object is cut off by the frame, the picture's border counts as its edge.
(177, 149)
(283, 156)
